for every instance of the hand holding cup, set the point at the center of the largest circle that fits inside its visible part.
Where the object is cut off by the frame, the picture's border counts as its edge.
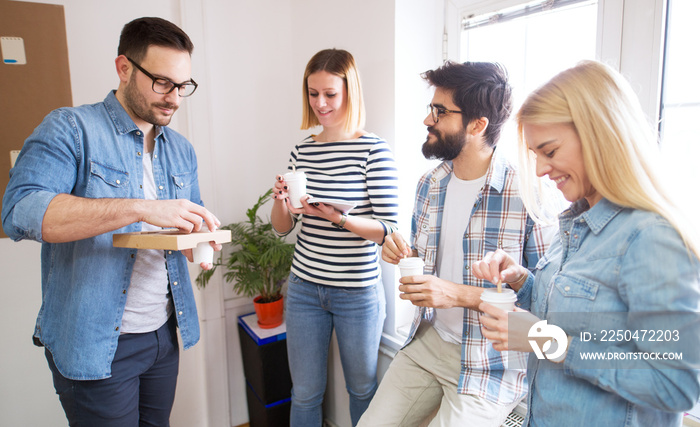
(203, 255)
(296, 187)
(411, 266)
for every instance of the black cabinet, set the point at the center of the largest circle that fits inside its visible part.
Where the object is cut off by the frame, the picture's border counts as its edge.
(268, 383)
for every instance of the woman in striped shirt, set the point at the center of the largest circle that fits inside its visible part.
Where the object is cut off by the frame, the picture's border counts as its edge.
(335, 280)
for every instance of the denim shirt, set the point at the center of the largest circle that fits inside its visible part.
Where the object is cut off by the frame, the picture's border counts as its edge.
(632, 270)
(94, 151)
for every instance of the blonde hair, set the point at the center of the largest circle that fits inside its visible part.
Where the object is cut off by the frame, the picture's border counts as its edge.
(619, 145)
(340, 63)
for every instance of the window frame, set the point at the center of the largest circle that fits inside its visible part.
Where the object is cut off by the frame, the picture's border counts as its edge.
(631, 49)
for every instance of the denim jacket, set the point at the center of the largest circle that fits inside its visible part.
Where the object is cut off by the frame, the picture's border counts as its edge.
(94, 151)
(631, 269)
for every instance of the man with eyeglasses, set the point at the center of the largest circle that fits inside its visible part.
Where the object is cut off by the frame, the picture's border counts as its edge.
(465, 207)
(109, 315)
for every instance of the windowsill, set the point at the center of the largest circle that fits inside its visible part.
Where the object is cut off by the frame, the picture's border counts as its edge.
(390, 345)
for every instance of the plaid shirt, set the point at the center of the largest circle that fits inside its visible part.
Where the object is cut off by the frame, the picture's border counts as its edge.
(497, 220)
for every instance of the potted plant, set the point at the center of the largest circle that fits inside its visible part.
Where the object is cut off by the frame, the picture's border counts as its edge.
(258, 264)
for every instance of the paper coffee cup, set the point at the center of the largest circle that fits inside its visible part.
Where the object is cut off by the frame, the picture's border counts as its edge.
(203, 252)
(504, 300)
(296, 187)
(412, 266)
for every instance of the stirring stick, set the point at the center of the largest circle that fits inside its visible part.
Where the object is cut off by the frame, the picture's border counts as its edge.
(498, 285)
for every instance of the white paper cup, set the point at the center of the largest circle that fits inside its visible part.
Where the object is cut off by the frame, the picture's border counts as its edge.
(504, 300)
(203, 252)
(412, 266)
(296, 187)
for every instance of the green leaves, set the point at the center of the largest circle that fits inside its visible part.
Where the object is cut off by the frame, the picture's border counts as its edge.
(259, 261)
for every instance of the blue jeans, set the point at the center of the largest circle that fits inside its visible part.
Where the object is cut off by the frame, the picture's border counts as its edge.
(357, 314)
(140, 391)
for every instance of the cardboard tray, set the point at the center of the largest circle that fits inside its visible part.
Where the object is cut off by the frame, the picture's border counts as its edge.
(169, 239)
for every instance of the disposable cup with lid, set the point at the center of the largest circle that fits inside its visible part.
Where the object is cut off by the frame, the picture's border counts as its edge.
(504, 300)
(203, 252)
(411, 266)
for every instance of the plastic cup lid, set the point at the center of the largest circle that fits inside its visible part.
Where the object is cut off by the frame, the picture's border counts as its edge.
(411, 262)
(492, 295)
(290, 176)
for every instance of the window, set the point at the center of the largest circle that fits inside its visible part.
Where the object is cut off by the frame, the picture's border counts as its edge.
(680, 100)
(534, 41)
(680, 107)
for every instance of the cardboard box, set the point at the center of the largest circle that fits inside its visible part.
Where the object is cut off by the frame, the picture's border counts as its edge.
(169, 239)
(34, 73)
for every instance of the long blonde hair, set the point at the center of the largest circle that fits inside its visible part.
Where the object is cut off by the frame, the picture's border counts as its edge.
(619, 145)
(341, 63)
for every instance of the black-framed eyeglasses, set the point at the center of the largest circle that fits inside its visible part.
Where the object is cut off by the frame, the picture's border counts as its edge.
(163, 86)
(436, 112)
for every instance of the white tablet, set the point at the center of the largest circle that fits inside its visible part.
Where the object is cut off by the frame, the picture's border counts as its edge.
(341, 205)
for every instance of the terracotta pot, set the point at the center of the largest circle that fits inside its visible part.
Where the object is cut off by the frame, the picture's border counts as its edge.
(270, 314)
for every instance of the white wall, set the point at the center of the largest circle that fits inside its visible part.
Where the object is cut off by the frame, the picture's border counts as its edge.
(25, 378)
(249, 59)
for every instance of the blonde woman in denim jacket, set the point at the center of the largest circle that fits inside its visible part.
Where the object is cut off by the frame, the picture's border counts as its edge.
(621, 281)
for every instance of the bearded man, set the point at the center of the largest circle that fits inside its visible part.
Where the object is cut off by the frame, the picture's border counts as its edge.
(466, 207)
(109, 315)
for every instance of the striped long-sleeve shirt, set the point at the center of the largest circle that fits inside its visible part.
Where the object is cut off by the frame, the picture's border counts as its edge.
(360, 171)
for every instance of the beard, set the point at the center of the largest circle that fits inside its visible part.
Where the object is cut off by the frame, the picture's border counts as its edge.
(445, 147)
(138, 104)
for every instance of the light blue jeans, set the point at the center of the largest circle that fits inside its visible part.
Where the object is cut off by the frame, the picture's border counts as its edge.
(357, 314)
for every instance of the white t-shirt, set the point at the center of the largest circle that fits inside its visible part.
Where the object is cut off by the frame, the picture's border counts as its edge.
(147, 301)
(459, 201)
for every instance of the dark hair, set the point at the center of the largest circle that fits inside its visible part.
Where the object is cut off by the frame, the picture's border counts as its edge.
(479, 89)
(138, 35)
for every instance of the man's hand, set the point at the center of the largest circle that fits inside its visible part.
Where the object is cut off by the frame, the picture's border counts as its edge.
(395, 248)
(179, 213)
(69, 218)
(431, 291)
